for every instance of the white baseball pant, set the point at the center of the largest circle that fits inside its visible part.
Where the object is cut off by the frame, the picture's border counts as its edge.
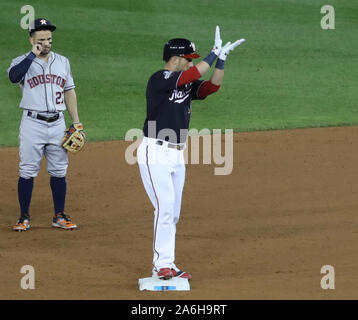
(163, 174)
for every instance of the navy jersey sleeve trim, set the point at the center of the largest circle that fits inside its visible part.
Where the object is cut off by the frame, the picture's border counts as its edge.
(17, 72)
(197, 90)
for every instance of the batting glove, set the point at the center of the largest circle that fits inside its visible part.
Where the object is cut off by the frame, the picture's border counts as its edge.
(218, 42)
(227, 48)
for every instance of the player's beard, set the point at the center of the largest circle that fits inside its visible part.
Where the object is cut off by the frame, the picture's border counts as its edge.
(45, 51)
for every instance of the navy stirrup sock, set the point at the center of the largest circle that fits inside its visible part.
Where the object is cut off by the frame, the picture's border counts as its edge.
(24, 188)
(58, 187)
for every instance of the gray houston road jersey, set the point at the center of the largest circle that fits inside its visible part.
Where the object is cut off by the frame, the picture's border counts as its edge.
(44, 83)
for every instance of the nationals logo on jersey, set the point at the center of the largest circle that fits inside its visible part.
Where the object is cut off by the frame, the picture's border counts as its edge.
(48, 78)
(179, 96)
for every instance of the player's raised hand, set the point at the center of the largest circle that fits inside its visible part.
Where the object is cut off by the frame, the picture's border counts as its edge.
(228, 47)
(36, 49)
(218, 42)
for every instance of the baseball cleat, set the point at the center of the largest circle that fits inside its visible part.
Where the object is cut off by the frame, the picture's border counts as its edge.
(165, 273)
(21, 225)
(181, 274)
(63, 221)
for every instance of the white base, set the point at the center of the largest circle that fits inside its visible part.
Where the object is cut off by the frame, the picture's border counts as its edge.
(155, 284)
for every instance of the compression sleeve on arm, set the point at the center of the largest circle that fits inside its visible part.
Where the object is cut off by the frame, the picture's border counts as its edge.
(17, 72)
(188, 76)
(207, 88)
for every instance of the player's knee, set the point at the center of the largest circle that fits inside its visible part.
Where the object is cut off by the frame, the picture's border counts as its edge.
(28, 171)
(166, 218)
(58, 173)
(166, 213)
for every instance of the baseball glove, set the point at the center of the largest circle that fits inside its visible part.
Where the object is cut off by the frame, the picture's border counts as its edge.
(74, 139)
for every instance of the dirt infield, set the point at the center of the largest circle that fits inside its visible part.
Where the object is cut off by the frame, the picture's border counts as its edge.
(264, 232)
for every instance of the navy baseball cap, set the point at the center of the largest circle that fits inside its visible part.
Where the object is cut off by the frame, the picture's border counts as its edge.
(179, 47)
(41, 24)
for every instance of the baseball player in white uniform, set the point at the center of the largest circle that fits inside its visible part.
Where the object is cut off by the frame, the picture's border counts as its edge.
(169, 94)
(47, 86)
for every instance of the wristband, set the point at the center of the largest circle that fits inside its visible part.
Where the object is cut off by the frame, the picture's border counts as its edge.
(220, 64)
(210, 58)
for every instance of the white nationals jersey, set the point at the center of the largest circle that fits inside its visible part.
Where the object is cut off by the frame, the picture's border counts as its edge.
(44, 84)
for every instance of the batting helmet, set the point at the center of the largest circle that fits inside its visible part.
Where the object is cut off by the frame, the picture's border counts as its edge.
(179, 47)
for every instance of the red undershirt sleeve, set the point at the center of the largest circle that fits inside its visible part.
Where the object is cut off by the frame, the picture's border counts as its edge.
(188, 76)
(207, 88)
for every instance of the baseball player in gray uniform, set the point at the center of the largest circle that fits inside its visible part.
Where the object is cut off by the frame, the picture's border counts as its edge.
(47, 86)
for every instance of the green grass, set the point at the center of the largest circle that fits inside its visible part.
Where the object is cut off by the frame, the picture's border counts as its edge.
(290, 73)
